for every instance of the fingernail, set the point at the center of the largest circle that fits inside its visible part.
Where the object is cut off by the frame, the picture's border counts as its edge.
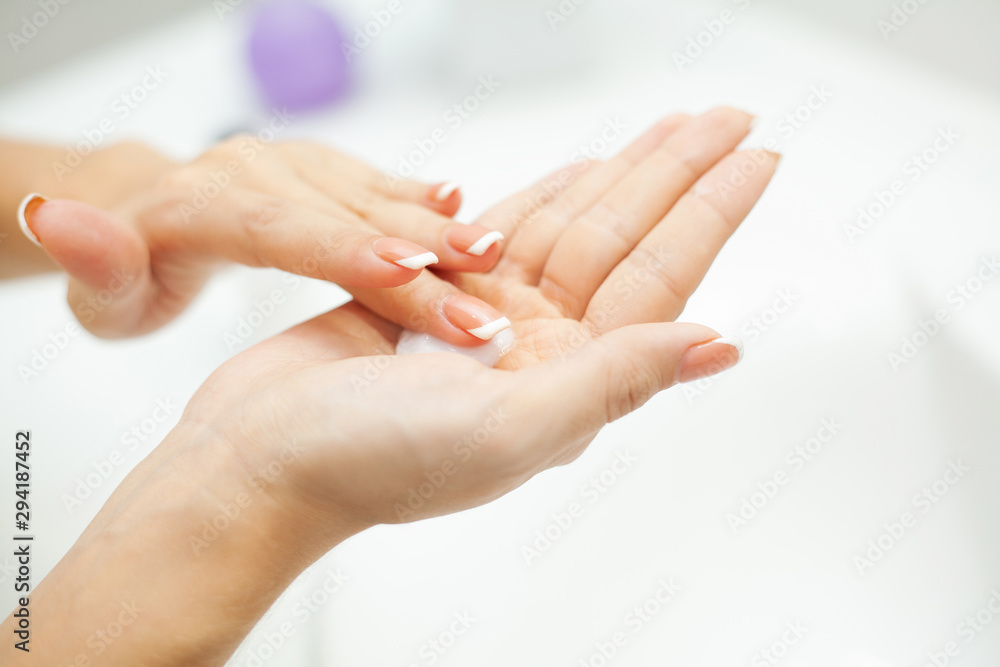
(404, 253)
(472, 239)
(24, 212)
(474, 316)
(710, 358)
(446, 191)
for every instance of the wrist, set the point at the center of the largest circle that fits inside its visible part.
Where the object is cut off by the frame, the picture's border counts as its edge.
(192, 546)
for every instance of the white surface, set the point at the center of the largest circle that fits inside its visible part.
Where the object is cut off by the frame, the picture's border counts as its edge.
(699, 451)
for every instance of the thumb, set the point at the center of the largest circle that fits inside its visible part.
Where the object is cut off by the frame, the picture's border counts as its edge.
(107, 260)
(615, 374)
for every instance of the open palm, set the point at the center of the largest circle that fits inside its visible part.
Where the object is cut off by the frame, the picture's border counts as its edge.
(591, 281)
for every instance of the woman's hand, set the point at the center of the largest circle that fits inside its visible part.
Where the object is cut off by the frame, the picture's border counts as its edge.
(312, 436)
(588, 283)
(139, 256)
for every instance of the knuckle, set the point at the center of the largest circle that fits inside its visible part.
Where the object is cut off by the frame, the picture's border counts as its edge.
(613, 220)
(180, 181)
(225, 150)
(643, 259)
(258, 218)
(631, 384)
(361, 200)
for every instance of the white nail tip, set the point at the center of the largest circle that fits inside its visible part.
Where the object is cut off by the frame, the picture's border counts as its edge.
(22, 222)
(488, 331)
(480, 247)
(446, 190)
(734, 341)
(418, 261)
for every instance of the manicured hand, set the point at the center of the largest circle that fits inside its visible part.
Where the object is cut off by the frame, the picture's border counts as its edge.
(591, 284)
(139, 256)
(322, 431)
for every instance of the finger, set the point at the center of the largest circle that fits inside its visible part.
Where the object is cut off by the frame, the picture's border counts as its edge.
(432, 305)
(608, 232)
(442, 198)
(111, 286)
(261, 231)
(608, 378)
(517, 210)
(445, 198)
(535, 223)
(326, 168)
(469, 248)
(657, 278)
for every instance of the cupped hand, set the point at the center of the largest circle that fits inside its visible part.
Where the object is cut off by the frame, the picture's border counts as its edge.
(327, 417)
(139, 256)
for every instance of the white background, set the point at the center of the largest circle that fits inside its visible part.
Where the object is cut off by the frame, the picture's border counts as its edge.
(700, 451)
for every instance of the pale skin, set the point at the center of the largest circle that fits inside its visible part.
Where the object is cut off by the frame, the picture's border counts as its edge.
(596, 340)
(132, 225)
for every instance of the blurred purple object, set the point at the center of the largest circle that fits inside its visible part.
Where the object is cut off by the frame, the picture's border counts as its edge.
(296, 56)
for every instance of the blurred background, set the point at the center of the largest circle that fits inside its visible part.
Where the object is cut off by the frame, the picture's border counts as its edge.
(833, 501)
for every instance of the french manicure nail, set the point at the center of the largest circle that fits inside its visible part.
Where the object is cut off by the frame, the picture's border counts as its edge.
(404, 253)
(474, 316)
(446, 191)
(710, 358)
(26, 209)
(472, 239)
